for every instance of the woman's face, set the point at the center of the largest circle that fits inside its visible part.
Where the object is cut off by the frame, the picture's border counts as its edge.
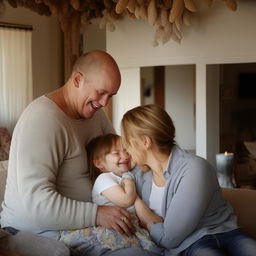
(137, 151)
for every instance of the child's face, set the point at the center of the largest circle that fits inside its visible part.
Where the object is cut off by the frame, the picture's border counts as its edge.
(117, 160)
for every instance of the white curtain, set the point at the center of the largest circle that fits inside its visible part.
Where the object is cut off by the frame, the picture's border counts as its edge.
(15, 74)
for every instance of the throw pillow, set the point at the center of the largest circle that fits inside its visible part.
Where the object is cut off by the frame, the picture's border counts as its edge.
(251, 147)
(5, 143)
(3, 176)
(3, 233)
(3, 154)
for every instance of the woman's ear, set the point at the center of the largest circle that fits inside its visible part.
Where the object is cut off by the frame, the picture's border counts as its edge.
(98, 163)
(147, 142)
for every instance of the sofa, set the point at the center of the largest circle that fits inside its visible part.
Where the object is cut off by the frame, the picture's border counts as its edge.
(27, 244)
(245, 164)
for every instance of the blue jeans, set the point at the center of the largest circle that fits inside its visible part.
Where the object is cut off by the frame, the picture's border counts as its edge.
(11, 230)
(136, 251)
(232, 243)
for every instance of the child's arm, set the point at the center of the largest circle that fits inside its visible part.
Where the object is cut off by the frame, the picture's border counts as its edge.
(146, 216)
(122, 196)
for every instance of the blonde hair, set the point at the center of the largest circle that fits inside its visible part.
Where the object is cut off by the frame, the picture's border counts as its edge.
(152, 121)
(98, 148)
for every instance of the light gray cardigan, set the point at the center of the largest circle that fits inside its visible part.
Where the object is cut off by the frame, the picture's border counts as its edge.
(193, 204)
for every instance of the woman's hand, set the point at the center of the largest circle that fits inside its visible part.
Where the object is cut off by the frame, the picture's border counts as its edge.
(116, 218)
(146, 216)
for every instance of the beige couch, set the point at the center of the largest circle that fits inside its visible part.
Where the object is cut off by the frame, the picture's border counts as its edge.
(244, 205)
(242, 200)
(25, 243)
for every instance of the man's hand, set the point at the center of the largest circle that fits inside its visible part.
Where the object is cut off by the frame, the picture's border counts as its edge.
(116, 218)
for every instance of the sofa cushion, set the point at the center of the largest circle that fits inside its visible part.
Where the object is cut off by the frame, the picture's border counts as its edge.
(251, 147)
(5, 142)
(3, 176)
(3, 233)
(243, 203)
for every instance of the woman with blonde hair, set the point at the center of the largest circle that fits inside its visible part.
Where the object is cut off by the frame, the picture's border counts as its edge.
(181, 188)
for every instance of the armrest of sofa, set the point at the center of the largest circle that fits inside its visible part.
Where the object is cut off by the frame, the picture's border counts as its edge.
(243, 203)
(28, 244)
(8, 253)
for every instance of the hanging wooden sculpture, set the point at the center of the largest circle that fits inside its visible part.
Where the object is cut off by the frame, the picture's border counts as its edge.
(168, 16)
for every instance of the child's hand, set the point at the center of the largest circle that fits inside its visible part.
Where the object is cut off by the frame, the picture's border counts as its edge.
(128, 175)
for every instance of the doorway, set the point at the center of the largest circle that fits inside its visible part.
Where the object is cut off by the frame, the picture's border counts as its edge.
(173, 88)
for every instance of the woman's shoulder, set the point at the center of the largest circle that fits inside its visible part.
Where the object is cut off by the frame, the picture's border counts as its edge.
(188, 161)
(184, 155)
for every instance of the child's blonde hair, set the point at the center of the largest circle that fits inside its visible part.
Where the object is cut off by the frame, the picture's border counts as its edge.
(150, 120)
(98, 148)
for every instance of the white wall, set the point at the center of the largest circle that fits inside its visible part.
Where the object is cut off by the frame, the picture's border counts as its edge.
(217, 35)
(180, 102)
(47, 51)
(128, 95)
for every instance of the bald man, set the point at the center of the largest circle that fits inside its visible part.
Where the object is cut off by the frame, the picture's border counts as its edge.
(48, 186)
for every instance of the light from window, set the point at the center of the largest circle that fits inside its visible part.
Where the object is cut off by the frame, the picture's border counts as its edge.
(15, 74)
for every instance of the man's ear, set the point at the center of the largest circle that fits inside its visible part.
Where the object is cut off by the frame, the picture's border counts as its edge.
(147, 142)
(78, 76)
(98, 163)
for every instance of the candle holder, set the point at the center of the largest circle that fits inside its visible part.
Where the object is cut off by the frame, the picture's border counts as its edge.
(224, 164)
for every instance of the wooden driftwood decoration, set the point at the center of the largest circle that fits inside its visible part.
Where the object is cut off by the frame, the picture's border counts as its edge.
(168, 16)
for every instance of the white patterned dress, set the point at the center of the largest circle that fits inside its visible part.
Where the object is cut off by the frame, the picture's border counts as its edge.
(104, 238)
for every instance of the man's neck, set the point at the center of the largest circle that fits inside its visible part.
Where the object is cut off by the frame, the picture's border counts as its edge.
(61, 98)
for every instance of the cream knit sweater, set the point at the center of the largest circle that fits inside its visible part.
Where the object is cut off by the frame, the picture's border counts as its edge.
(48, 187)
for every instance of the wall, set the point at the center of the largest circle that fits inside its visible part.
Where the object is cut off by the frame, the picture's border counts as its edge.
(128, 94)
(212, 121)
(230, 100)
(237, 115)
(180, 102)
(147, 85)
(47, 51)
(94, 38)
(217, 35)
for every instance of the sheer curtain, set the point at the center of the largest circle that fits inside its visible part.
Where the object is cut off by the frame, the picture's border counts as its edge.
(15, 74)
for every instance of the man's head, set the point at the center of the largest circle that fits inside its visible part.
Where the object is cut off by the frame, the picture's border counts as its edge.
(94, 80)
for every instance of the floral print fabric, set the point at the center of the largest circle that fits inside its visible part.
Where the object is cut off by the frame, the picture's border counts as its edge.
(107, 238)
(5, 142)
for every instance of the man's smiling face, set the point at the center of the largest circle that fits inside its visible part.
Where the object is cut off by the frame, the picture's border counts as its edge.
(94, 93)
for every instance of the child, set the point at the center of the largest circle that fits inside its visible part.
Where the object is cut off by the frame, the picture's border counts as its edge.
(114, 185)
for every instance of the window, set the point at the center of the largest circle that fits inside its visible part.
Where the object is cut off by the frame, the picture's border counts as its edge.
(15, 73)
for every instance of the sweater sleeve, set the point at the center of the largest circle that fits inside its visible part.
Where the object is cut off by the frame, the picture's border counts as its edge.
(194, 191)
(40, 146)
